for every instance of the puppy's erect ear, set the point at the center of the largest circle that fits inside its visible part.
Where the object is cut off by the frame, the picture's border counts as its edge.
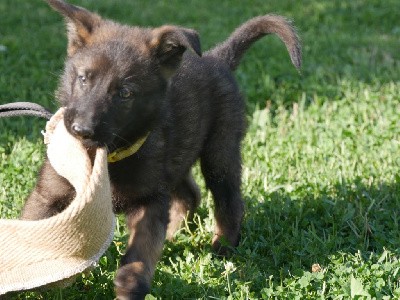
(81, 24)
(170, 42)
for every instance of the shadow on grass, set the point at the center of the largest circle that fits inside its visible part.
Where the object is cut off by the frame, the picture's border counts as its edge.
(285, 233)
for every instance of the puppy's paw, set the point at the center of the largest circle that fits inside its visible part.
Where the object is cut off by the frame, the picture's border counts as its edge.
(224, 246)
(130, 284)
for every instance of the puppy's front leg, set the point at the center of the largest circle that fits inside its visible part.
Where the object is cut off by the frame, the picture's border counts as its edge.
(51, 195)
(147, 225)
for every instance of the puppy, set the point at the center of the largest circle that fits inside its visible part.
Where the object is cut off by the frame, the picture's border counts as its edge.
(149, 96)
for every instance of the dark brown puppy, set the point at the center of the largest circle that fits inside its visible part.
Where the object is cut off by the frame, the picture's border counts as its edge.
(123, 83)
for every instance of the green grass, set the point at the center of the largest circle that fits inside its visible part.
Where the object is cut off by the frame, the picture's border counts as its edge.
(321, 159)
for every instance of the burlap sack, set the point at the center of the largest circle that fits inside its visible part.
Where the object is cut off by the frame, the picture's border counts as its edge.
(36, 253)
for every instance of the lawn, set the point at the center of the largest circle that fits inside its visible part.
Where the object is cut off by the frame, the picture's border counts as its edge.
(321, 159)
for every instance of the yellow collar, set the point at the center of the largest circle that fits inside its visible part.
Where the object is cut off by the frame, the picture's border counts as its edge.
(122, 153)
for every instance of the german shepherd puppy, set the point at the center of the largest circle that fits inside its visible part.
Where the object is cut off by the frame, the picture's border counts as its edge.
(125, 86)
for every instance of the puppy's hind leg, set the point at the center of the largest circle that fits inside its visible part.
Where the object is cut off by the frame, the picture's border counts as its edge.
(185, 198)
(221, 167)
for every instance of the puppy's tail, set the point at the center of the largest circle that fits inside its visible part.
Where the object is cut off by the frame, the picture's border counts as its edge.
(232, 50)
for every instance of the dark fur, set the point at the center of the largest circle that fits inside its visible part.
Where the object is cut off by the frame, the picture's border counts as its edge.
(192, 108)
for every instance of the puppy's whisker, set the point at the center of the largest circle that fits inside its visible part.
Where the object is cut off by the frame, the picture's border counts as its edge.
(127, 78)
(122, 139)
(107, 148)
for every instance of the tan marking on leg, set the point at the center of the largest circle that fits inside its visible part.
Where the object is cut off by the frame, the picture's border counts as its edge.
(177, 214)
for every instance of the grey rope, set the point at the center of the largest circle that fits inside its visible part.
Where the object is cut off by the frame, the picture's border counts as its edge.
(24, 109)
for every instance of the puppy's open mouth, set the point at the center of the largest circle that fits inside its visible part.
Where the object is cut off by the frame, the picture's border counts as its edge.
(91, 148)
(92, 154)
(92, 144)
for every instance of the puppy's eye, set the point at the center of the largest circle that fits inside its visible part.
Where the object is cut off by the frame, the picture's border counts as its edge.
(125, 93)
(82, 80)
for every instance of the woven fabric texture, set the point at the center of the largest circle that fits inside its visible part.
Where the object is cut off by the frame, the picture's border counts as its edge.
(37, 253)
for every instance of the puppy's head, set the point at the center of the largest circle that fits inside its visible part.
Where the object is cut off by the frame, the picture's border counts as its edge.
(116, 77)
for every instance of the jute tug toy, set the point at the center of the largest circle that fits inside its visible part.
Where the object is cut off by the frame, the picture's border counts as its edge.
(37, 253)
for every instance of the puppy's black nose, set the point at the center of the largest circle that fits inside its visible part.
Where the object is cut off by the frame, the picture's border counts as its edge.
(82, 131)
